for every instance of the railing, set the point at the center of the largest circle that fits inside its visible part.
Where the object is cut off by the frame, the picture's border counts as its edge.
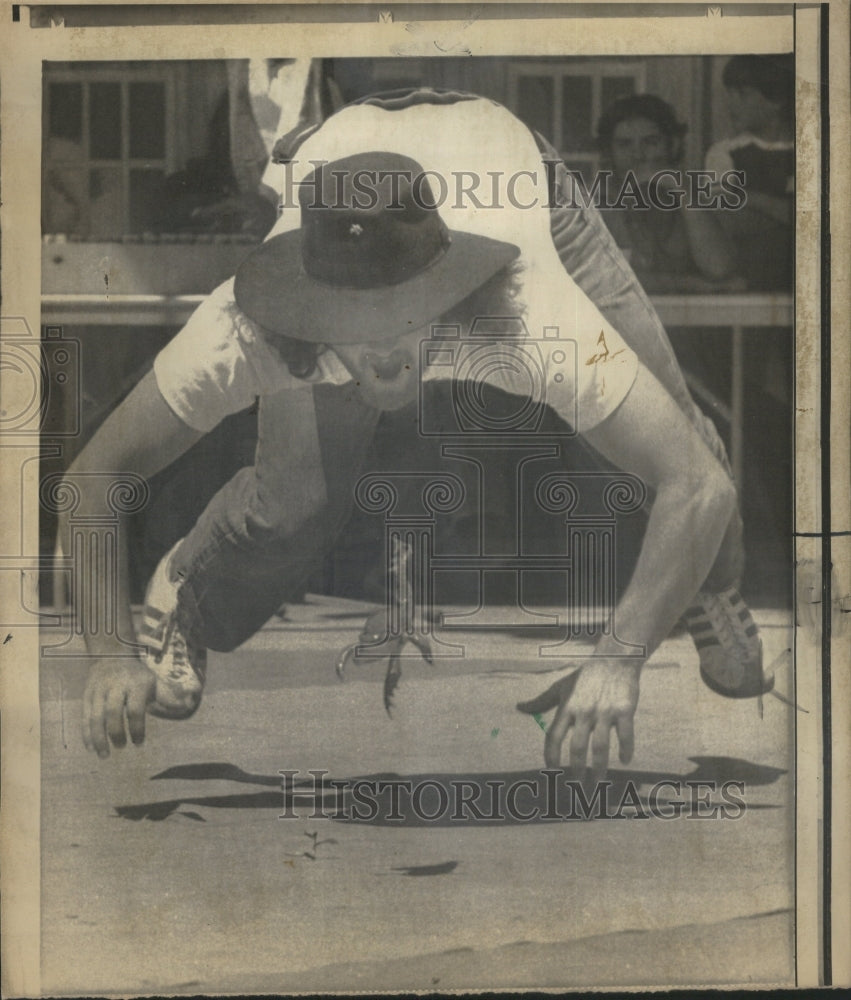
(737, 312)
(118, 310)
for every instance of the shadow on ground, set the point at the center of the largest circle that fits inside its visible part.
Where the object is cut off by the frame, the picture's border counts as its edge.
(495, 798)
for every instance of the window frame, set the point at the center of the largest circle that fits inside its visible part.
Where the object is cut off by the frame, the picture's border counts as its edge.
(591, 67)
(124, 76)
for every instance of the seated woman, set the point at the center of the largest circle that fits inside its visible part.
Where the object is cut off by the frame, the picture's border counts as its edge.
(677, 248)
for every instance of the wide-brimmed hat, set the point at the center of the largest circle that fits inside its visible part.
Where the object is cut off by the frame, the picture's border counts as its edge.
(372, 258)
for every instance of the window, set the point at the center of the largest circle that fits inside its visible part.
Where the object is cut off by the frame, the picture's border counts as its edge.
(107, 147)
(563, 101)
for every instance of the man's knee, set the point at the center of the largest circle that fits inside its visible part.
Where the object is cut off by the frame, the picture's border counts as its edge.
(273, 524)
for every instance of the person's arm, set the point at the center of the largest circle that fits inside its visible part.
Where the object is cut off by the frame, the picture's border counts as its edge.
(711, 249)
(780, 208)
(649, 436)
(142, 436)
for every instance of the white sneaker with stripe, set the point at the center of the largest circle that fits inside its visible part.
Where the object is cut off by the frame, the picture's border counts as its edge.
(728, 643)
(179, 665)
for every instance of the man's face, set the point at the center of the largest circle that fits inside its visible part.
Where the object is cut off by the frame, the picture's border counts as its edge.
(386, 372)
(639, 145)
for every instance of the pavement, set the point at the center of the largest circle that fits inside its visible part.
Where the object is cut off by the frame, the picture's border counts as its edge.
(185, 866)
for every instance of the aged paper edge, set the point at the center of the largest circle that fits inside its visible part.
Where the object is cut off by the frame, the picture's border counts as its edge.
(752, 31)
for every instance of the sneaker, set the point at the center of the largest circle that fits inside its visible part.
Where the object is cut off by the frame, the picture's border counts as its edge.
(179, 665)
(728, 642)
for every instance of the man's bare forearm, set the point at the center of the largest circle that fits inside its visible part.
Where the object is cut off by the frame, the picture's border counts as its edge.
(712, 251)
(669, 573)
(649, 436)
(92, 607)
(141, 437)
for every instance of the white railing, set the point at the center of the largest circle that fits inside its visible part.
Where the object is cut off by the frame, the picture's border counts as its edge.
(737, 313)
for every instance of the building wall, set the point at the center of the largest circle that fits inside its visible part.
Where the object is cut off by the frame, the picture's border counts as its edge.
(677, 79)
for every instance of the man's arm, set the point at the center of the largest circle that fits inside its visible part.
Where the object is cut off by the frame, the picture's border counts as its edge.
(711, 249)
(649, 436)
(143, 436)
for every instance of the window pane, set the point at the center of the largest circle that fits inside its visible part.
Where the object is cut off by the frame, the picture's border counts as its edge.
(147, 120)
(577, 128)
(106, 209)
(615, 87)
(105, 121)
(145, 198)
(66, 111)
(535, 103)
(63, 205)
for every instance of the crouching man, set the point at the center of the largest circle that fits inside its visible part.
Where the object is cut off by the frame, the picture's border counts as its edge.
(324, 323)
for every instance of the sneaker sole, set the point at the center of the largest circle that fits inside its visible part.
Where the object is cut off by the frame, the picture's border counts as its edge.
(758, 685)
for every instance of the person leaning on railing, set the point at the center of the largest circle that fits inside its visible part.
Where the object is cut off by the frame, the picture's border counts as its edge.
(651, 207)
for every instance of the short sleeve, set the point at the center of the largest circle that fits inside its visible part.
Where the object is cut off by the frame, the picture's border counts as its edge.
(218, 363)
(565, 353)
(589, 368)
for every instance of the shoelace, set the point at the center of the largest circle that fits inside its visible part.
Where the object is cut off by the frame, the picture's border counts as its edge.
(181, 652)
(730, 639)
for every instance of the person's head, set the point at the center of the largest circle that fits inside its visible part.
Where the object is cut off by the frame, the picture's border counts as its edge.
(640, 133)
(760, 92)
(387, 372)
(371, 269)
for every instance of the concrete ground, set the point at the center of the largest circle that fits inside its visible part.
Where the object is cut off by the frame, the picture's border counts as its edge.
(167, 868)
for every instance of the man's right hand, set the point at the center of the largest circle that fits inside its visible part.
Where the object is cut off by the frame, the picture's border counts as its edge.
(116, 688)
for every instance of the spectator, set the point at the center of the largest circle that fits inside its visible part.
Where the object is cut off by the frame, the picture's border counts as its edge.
(675, 248)
(761, 100)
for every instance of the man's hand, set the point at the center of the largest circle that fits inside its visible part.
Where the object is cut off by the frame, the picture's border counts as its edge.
(601, 695)
(115, 688)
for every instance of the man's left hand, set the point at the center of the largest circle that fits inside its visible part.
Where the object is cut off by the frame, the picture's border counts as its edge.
(600, 696)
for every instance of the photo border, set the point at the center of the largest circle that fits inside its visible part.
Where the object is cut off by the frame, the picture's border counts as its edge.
(823, 743)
